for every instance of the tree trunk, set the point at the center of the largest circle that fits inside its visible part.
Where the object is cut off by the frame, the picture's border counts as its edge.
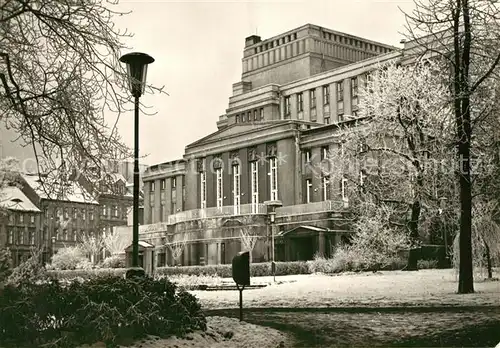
(413, 255)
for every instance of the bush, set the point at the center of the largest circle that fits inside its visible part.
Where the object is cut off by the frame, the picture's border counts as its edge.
(28, 272)
(427, 264)
(115, 261)
(69, 258)
(107, 309)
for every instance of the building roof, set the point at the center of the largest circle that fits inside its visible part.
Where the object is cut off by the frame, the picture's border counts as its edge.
(13, 198)
(70, 191)
(303, 227)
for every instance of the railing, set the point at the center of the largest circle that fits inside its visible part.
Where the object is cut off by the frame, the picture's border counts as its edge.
(316, 207)
(231, 210)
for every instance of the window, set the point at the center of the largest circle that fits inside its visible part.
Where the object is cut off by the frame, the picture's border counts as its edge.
(65, 234)
(73, 235)
(343, 188)
(115, 211)
(237, 118)
(174, 183)
(104, 210)
(312, 97)
(32, 237)
(91, 215)
(307, 156)
(300, 102)
(273, 174)
(219, 197)
(262, 114)
(324, 152)
(152, 186)
(236, 188)
(249, 116)
(327, 120)
(254, 168)
(308, 190)
(12, 218)
(341, 117)
(340, 91)
(326, 95)
(21, 218)
(32, 219)
(287, 106)
(75, 213)
(326, 188)
(203, 190)
(66, 213)
(354, 87)
(20, 236)
(162, 184)
(255, 115)
(11, 236)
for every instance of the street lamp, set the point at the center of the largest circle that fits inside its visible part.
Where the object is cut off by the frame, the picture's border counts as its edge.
(137, 65)
(271, 211)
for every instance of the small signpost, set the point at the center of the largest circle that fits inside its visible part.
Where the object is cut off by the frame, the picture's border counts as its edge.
(241, 274)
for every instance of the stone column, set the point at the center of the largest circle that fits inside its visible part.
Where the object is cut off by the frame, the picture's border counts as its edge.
(321, 243)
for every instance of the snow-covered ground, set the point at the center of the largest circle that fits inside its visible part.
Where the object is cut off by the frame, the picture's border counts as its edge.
(222, 333)
(391, 288)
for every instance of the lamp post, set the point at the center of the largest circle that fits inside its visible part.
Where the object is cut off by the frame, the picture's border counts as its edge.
(442, 202)
(137, 64)
(271, 211)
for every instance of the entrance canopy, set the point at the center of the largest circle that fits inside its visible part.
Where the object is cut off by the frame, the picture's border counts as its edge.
(302, 231)
(142, 246)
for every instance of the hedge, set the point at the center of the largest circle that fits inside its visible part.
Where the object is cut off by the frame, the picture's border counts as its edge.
(224, 271)
(87, 274)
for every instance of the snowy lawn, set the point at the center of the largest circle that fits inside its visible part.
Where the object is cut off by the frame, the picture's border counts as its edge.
(221, 333)
(381, 289)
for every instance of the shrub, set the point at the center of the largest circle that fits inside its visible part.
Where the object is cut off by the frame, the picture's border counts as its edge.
(106, 309)
(68, 258)
(427, 264)
(115, 261)
(30, 271)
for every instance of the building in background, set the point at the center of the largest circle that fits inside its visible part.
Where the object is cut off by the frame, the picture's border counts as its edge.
(20, 221)
(296, 90)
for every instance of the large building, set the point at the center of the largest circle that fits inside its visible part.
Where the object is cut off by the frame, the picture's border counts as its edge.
(296, 90)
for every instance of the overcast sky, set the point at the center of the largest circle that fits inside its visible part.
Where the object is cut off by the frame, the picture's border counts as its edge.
(198, 47)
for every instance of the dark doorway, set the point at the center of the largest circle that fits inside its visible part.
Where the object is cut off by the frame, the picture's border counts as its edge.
(304, 248)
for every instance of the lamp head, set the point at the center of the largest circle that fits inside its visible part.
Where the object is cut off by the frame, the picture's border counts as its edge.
(137, 67)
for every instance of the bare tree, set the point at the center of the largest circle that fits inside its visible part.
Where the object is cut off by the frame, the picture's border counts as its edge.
(248, 238)
(60, 74)
(465, 33)
(115, 243)
(177, 246)
(91, 245)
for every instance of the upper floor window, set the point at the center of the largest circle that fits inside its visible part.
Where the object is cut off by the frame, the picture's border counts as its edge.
(21, 218)
(287, 106)
(300, 102)
(219, 193)
(162, 184)
(326, 188)
(115, 211)
(307, 156)
(152, 186)
(84, 213)
(255, 115)
(262, 114)
(104, 210)
(308, 190)
(203, 190)
(324, 152)
(326, 94)
(32, 219)
(273, 173)
(312, 97)
(237, 118)
(174, 183)
(340, 90)
(354, 87)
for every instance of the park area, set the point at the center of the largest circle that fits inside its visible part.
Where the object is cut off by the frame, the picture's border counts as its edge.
(385, 309)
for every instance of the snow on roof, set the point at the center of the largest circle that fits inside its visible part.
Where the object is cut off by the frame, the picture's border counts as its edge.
(117, 177)
(145, 244)
(71, 191)
(13, 198)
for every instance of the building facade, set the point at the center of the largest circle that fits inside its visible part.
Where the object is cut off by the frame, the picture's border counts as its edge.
(282, 121)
